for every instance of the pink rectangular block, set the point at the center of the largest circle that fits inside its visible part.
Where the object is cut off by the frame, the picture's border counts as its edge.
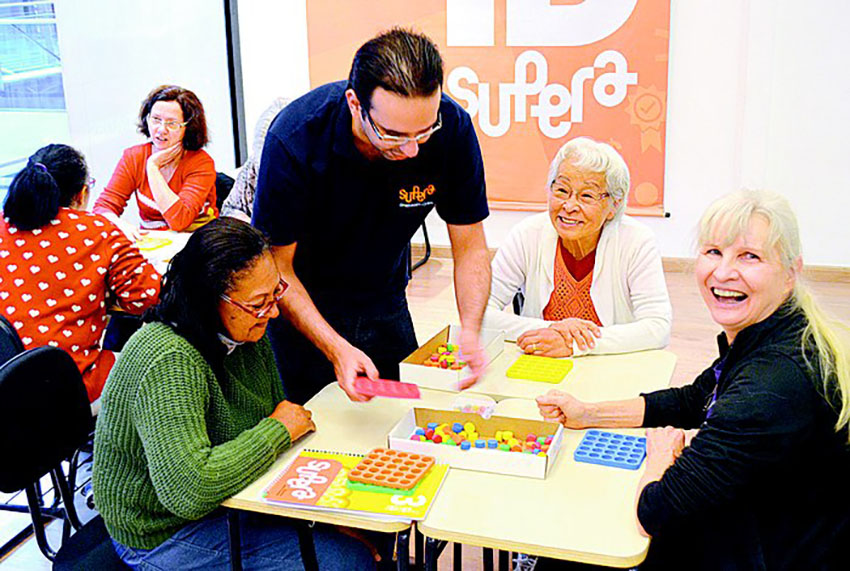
(383, 388)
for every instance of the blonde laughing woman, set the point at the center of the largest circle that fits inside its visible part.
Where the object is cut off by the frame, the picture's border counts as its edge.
(764, 482)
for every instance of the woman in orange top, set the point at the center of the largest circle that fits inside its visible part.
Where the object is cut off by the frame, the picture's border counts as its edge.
(172, 177)
(59, 263)
(591, 276)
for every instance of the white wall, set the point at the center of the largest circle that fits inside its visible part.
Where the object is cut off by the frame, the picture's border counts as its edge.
(114, 53)
(273, 41)
(757, 98)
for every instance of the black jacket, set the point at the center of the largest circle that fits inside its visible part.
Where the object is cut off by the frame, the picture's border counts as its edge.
(764, 483)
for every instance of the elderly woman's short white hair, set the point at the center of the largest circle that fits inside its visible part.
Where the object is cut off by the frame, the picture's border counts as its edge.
(593, 156)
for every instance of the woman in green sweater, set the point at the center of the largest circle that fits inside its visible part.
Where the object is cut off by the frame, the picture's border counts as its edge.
(194, 411)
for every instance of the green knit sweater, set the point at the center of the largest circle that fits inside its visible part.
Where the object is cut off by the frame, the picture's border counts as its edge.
(172, 442)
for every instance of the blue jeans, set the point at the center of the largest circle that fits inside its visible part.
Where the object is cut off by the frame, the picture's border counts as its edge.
(385, 334)
(268, 542)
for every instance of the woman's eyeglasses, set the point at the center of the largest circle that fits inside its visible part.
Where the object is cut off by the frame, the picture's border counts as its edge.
(171, 126)
(259, 312)
(583, 197)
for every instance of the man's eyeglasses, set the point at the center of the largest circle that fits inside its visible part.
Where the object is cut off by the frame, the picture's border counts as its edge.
(90, 182)
(170, 125)
(584, 197)
(259, 312)
(399, 141)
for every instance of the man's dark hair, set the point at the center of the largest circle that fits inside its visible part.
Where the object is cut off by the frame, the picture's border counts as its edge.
(399, 61)
(196, 136)
(209, 265)
(54, 175)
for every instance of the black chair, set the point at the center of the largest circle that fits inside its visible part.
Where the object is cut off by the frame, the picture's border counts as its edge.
(518, 303)
(44, 418)
(411, 266)
(10, 343)
(223, 185)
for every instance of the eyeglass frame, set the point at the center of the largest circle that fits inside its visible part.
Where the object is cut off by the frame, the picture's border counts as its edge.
(90, 182)
(258, 313)
(401, 141)
(594, 201)
(170, 126)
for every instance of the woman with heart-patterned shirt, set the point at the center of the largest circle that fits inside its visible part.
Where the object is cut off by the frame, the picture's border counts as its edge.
(60, 264)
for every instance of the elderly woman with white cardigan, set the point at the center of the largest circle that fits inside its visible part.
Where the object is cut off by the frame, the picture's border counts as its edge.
(591, 277)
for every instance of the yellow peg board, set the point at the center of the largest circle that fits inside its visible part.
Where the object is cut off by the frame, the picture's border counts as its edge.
(537, 368)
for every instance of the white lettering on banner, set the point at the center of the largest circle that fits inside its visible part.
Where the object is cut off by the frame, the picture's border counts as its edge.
(535, 22)
(554, 99)
(540, 23)
(309, 474)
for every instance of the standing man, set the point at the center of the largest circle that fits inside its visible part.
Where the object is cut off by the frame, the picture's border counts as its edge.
(348, 173)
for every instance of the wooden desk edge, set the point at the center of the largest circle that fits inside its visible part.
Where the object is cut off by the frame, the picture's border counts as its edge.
(538, 550)
(347, 520)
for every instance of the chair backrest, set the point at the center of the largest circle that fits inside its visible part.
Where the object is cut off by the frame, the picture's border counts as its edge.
(44, 414)
(223, 185)
(10, 342)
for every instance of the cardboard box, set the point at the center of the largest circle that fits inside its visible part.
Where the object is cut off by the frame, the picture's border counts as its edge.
(481, 459)
(412, 369)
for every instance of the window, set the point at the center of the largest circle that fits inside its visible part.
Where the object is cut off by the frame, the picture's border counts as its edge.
(32, 97)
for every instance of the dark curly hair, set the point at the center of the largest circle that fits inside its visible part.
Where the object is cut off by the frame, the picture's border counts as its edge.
(196, 136)
(207, 267)
(54, 175)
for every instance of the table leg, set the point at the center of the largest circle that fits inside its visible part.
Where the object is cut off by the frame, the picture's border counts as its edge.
(420, 550)
(504, 560)
(457, 559)
(308, 549)
(433, 549)
(235, 541)
(403, 550)
(487, 558)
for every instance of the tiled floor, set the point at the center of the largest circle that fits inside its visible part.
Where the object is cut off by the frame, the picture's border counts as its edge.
(28, 557)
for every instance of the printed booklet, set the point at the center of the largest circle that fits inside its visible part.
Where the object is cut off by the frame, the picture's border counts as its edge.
(318, 480)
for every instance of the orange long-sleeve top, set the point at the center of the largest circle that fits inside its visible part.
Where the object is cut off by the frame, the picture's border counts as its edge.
(55, 281)
(193, 182)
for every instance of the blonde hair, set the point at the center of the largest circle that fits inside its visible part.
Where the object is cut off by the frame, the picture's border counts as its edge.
(831, 337)
(593, 156)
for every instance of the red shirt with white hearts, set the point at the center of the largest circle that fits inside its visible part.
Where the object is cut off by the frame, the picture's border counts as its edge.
(54, 282)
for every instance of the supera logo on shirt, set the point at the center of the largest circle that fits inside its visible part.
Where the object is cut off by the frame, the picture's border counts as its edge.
(416, 196)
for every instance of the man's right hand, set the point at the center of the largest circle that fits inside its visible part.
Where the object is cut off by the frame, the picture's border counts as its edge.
(350, 362)
(297, 419)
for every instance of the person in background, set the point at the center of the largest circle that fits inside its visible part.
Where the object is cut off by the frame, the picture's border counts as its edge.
(171, 175)
(240, 202)
(763, 483)
(591, 277)
(194, 411)
(62, 265)
(348, 174)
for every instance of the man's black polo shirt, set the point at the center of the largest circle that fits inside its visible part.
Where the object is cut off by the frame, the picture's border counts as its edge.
(353, 218)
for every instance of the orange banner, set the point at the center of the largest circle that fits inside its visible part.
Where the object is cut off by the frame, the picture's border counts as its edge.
(532, 74)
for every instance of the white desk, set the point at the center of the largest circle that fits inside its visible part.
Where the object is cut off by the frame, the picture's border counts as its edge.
(580, 512)
(346, 426)
(159, 246)
(593, 378)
